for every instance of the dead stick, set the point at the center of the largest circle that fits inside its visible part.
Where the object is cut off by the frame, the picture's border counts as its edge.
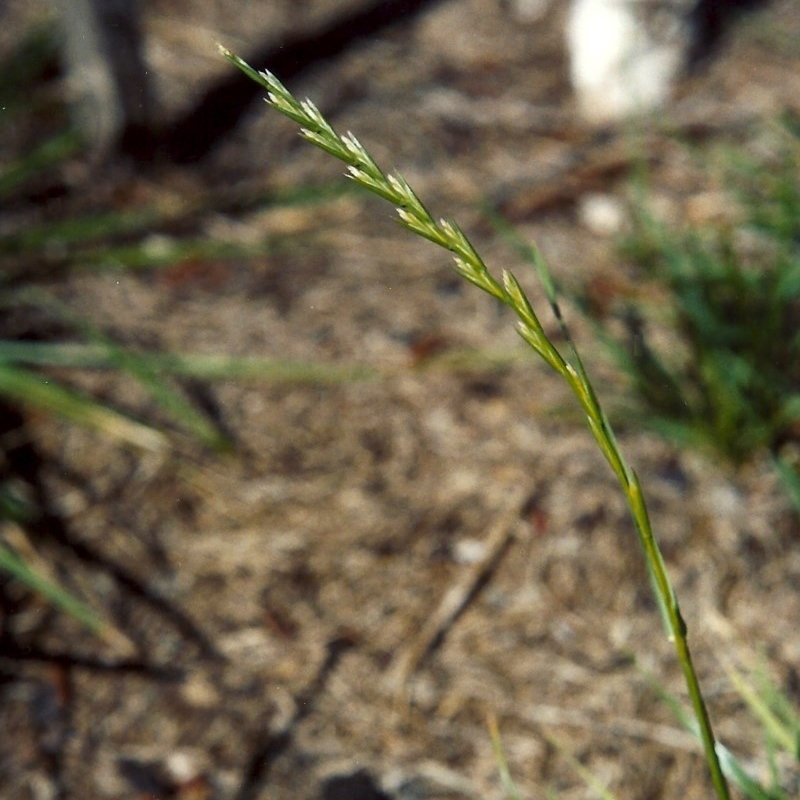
(456, 599)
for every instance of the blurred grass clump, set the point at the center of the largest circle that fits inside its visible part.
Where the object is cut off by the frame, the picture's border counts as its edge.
(715, 363)
(53, 225)
(43, 345)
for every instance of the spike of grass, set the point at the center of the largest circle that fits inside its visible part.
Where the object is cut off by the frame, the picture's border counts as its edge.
(467, 262)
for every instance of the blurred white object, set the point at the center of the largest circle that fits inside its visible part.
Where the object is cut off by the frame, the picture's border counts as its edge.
(626, 54)
(602, 214)
(529, 10)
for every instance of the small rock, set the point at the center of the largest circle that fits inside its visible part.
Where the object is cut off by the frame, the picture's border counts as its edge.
(602, 214)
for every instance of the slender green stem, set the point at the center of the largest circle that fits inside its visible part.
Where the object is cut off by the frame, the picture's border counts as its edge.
(468, 263)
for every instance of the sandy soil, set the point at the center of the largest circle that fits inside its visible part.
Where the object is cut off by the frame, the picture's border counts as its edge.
(281, 610)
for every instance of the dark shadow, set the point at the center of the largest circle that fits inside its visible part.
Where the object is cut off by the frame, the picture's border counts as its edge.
(12, 652)
(192, 136)
(710, 20)
(359, 785)
(23, 462)
(269, 746)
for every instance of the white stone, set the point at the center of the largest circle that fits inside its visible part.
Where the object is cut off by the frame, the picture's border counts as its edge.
(602, 214)
(619, 65)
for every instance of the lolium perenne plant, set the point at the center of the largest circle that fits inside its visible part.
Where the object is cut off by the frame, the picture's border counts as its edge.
(468, 263)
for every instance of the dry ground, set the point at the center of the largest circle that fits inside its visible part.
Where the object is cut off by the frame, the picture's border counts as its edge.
(276, 603)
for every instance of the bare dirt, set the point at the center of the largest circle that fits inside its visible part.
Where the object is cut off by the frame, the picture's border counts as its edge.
(278, 610)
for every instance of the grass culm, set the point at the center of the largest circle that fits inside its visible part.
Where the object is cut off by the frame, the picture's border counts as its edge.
(566, 362)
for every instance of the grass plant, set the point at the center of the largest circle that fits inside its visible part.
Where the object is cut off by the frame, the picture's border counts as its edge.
(413, 215)
(702, 275)
(780, 727)
(730, 380)
(36, 375)
(27, 381)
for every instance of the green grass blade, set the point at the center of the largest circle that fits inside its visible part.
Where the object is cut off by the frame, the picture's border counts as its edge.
(42, 158)
(206, 367)
(587, 776)
(15, 566)
(731, 766)
(32, 390)
(771, 708)
(500, 758)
